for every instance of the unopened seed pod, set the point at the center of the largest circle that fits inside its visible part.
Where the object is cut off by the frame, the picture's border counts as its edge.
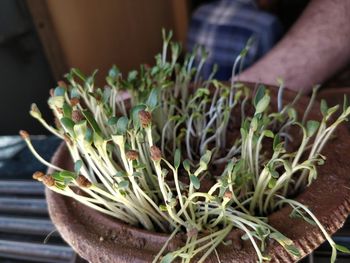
(228, 195)
(145, 118)
(74, 101)
(77, 116)
(82, 181)
(156, 154)
(24, 134)
(38, 175)
(48, 180)
(132, 155)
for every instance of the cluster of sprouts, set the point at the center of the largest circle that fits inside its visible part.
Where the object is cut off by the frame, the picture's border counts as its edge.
(164, 150)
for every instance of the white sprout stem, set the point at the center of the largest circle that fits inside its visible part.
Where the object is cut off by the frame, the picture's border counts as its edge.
(311, 103)
(50, 128)
(233, 74)
(37, 155)
(176, 230)
(214, 244)
(314, 218)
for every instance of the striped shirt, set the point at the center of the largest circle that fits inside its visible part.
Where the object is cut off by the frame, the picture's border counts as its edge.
(223, 29)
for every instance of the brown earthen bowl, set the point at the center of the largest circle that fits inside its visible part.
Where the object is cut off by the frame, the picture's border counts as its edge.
(99, 238)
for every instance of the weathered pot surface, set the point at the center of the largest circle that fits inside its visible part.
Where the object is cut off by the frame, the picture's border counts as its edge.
(99, 238)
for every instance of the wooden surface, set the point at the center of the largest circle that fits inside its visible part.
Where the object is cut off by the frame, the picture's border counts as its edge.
(48, 37)
(97, 34)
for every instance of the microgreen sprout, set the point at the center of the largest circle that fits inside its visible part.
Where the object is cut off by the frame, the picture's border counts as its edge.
(164, 150)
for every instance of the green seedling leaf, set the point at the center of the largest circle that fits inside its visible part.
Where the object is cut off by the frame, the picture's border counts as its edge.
(200, 92)
(67, 174)
(164, 172)
(243, 133)
(172, 202)
(153, 99)
(120, 174)
(122, 125)
(195, 181)
(230, 166)
(59, 91)
(332, 110)
(286, 243)
(205, 159)
(60, 185)
(296, 213)
(136, 174)
(342, 249)
(254, 124)
(79, 74)
(163, 208)
(139, 166)
(114, 72)
(91, 120)
(132, 75)
(77, 166)
(68, 124)
(154, 70)
(176, 118)
(110, 81)
(64, 177)
(112, 121)
(222, 190)
(280, 238)
(124, 184)
(324, 107)
(293, 250)
(169, 196)
(292, 114)
(280, 81)
(186, 165)
(269, 134)
(74, 93)
(57, 176)
(262, 104)
(106, 95)
(276, 141)
(88, 135)
(80, 129)
(262, 232)
(56, 101)
(259, 94)
(272, 182)
(34, 111)
(311, 127)
(168, 258)
(98, 140)
(177, 158)
(90, 79)
(135, 115)
(67, 110)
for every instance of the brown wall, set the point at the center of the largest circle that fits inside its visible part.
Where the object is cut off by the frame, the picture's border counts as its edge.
(99, 33)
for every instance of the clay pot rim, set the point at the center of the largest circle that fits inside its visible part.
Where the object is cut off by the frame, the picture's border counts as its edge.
(305, 243)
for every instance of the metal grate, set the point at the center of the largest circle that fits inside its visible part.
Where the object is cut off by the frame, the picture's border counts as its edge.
(24, 225)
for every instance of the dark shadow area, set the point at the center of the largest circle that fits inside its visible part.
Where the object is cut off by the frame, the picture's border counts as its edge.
(24, 71)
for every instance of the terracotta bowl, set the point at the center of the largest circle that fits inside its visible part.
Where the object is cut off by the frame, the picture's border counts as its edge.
(99, 238)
